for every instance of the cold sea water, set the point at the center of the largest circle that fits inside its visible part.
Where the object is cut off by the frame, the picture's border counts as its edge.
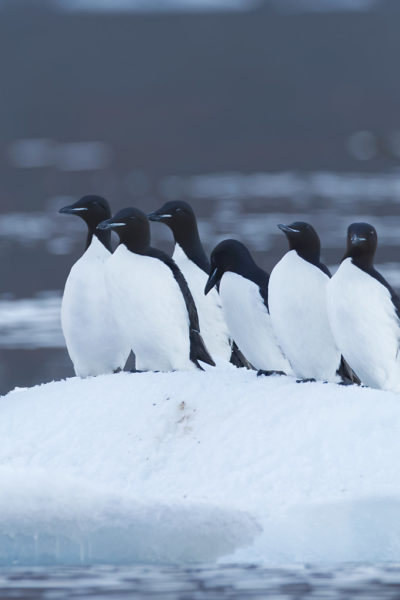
(236, 582)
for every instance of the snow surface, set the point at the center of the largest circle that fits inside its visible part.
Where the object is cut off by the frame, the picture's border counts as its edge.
(198, 466)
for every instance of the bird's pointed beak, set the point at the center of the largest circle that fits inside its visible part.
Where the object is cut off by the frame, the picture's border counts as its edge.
(72, 210)
(214, 279)
(109, 224)
(155, 216)
(356, 239)
(287, 229)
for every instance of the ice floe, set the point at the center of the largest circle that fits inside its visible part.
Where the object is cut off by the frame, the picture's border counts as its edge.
(207, 466)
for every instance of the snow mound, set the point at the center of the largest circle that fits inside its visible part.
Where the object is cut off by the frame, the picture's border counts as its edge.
(198, 466)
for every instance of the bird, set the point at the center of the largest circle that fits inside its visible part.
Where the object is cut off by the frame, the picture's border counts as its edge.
(243, 288)
(297, 303)
(192, 260)
(94, 341)
(151, 299)
(364, 312)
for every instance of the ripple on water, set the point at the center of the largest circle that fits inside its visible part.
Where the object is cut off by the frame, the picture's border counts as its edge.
(233, 582)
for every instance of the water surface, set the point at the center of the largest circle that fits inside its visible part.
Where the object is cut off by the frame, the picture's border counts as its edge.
(233, 582)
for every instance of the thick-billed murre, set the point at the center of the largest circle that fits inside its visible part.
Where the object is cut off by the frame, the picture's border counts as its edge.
(151, 299)
(243, 288)
(364, 312)
(192, 260)
(297, 303)
(94, 341)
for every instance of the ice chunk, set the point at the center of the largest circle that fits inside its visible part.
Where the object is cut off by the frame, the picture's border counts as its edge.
(189, 466)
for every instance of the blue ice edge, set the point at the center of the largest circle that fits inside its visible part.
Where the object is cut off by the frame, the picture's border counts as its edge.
(125, 533)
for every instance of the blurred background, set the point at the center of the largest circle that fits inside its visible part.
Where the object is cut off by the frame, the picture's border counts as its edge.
(255, 111)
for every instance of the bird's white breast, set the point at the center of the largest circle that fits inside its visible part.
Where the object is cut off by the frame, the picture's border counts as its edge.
(150, 306)
(250, 324)
(213, 327)
(365, 326)
(95, 343)
(297, 303)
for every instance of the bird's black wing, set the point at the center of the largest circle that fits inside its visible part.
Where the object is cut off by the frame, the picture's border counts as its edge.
(324, 269)
(394, 297)
(369, 269)
(198, 350)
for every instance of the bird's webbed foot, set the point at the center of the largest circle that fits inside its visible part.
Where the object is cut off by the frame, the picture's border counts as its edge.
(269, 373)
(347, 381)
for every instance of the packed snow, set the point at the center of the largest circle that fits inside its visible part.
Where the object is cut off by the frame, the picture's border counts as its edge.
(208, 466)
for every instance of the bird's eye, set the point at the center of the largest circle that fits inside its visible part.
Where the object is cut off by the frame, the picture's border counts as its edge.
(179, 210)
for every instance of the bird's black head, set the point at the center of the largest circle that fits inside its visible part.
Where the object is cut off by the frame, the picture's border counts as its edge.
(179, 217)
(132, 227)
(362, 241)
(303, 238)
(93, 210)
(229, 255)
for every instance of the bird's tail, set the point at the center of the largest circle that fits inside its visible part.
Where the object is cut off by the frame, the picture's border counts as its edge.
(198, 350)
(238, 359)
(347, 374)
